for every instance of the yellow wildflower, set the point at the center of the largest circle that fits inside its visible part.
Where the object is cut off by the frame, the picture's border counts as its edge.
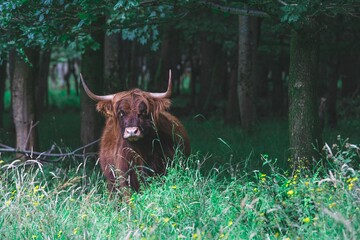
(1, 161)
(173, 187)
(166, 220)
(195, 236)
(331, 205)
(290, 192)
(76, 230)
(277, 234)
(59, 234)
(230, 223)
(306, 220)
(263, 177)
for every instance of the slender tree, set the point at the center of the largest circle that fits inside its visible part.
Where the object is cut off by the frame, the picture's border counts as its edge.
(248, 40)
(42, 81)
(112, 63)
(93, 69)
(3, 64)
(303, 117)
(23, 101)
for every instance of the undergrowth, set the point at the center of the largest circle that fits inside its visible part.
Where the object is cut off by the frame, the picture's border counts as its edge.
(46, 202)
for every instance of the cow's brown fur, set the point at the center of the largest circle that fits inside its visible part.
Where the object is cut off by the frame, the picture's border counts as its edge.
(125, 163)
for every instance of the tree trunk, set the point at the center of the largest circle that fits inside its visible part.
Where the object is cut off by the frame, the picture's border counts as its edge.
(248, 38)
(333, 93)
(3, 63)
(42, 81)
(169, 59)
(133, 67)
(23, 102)
(93, 73)
(232, 114)
(207, 71)
(303, 114)
(350, 74)
(279, 67)
(112, 64)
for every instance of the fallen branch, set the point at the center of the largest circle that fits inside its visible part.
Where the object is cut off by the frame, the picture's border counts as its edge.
(41, 156)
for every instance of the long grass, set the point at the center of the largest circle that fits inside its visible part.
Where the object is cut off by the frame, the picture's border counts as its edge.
(232, 187)
(47, 202)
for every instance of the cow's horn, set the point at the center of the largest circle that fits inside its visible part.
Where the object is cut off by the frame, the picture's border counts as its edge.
(166, 94)
(93, 96)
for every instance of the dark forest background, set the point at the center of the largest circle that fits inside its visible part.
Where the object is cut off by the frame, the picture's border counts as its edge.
(236, 65)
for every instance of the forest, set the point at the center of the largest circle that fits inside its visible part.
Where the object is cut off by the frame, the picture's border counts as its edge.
(268, 91)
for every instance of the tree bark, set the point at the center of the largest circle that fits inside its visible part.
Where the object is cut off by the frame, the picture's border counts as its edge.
(42, 81)
(93, 73)
(232, 114)
(279, 68)
(206, 77)
(303, 115)
(3, 63)
(333, 92)
(112, 74)
(23, 101)
(248, 39)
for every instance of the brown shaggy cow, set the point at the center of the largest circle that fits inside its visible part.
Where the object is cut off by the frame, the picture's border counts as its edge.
(139, 137)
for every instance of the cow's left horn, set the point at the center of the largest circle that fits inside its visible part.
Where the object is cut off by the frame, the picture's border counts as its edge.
(93, 96)
(166, 94)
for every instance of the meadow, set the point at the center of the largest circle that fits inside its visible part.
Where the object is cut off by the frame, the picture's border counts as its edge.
(235, 185)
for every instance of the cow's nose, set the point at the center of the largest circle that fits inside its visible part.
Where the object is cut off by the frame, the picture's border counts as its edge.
(132, 133)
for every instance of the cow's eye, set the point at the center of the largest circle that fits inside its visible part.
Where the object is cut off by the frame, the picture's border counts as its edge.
(121, 113)
(142, 114)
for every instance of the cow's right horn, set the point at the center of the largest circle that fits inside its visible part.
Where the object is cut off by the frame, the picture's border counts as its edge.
(166, 94)
(93, 96)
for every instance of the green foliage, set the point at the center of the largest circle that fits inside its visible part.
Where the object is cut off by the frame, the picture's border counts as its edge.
(46, 23)
(56, 203)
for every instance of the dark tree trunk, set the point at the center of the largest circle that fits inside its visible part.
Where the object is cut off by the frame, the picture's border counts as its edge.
(350, 74)
(232, 114)
(195, 73)
(206, 78)
(3, 64)
(42, 85)
(162, 63)
(133, 67)
(112, 64)
(303, 110)
(93, 73)
(248, 39)
(23, 101)
(280, 68)
(332, 96)
(169, 59)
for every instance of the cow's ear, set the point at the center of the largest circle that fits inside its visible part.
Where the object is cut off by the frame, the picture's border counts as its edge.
(162, 104)
(106, 108)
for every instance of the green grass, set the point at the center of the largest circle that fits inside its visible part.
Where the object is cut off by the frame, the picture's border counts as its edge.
(46, 202)
(232, 187)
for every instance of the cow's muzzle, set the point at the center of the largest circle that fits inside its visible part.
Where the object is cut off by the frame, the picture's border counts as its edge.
(132, 134)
